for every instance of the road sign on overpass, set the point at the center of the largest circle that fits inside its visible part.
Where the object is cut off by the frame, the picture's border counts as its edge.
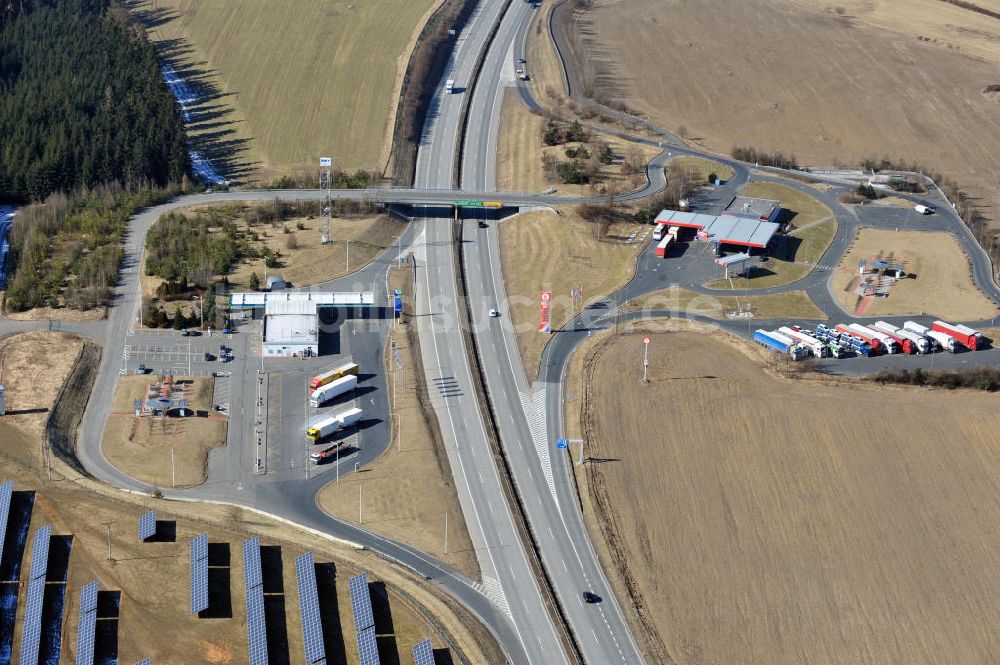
(478, 204)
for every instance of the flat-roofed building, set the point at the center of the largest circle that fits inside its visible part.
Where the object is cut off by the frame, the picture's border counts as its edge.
(763, 210)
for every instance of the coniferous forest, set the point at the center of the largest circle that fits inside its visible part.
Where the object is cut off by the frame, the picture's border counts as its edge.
(82, 101)
(89, 133)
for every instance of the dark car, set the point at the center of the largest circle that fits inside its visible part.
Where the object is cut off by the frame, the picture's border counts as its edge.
(209, 357)
(589, 597)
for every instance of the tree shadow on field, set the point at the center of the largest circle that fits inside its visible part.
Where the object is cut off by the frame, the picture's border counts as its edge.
(208, 130)
(148, 15)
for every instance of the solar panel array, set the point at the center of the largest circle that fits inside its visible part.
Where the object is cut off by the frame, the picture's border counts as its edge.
(364, 619)
(423, 653)
(32, 627)
(312, 624)
(144, 661)
(199, 573)
(147, 526)
(87, 625)
(256, 626)
(6, 490)
(367, 647)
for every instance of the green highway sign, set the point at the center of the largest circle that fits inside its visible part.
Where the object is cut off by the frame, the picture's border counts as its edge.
(469, 204)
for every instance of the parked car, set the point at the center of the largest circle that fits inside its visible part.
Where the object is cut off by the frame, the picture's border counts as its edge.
(142, 368)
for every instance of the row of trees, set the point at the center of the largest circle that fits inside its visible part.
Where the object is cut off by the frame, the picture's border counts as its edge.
(82, 102)
(980, 378)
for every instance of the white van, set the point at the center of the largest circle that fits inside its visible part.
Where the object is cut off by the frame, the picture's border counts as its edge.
(449, 86)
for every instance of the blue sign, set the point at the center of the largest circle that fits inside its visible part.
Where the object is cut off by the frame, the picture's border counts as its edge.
(397, 302)
(562, 443)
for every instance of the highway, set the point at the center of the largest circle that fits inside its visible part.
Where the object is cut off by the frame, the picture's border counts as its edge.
(548, 494)
(508, 579)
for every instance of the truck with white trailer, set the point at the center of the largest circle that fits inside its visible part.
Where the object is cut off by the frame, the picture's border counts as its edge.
(917, 329)
(336, 388)
(964, 335)
(332, 424)
(818, 348)
(946, 342)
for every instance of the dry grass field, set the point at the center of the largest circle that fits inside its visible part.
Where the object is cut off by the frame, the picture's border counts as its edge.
(798, 77)
(788, 304)
(151, 578)
(541, 251)
(943, 286)
(144, 448)
(814, 230)
(409, 489)
(700, 169)
(292, 81)
(520, 155)
(761, 524)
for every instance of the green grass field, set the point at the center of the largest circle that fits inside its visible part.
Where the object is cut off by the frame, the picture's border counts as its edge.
(292, 80)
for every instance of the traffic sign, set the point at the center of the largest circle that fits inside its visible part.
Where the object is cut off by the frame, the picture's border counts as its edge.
(562, 443)
(326, 161)
(645, 340)
(546, 296)
(469, 204)
(492, 204)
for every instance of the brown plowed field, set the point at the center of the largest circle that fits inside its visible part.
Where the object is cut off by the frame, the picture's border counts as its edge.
(794, 521)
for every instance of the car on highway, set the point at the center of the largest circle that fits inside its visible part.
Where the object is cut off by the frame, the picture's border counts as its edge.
(590, 597)
(494, 313)
(141, 369)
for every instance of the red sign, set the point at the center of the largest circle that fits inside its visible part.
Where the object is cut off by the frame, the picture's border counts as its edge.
(545, 322)
(645, 340)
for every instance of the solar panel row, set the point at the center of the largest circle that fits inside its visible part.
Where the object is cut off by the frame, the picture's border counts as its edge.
(6, 490)
(40, 552)
(32, 626)
(144, 661)
(367, 646)
(312, 624)
(423, 653)
(361, 602)
(199, 573)
(147, 526)
(256, 626)
(87, 625)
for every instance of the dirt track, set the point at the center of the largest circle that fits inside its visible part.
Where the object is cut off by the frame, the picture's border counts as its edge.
(797, 521)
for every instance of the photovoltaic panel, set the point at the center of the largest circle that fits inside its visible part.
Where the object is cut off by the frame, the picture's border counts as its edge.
(32, 626)
(199, 573)
(40, 552)
(147, 526)
(251, 562)
(361, 602)
(6, 490)
(87, 625)
(144, 661)
(423, 653)
(367, 647)
(312, 625)
(256, 626)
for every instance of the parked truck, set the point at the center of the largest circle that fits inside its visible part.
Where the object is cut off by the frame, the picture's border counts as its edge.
(888, 342)
(332, 424)
(521, 74)
(659, 232)
(863, 334)
(334, 374)
(946, 342)
(780, 343)
(917, 329)
(664, 246)
(321, 456)
(920, 343)
(906, 343)
(818, 348)
(325, 393)
(964, 335)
